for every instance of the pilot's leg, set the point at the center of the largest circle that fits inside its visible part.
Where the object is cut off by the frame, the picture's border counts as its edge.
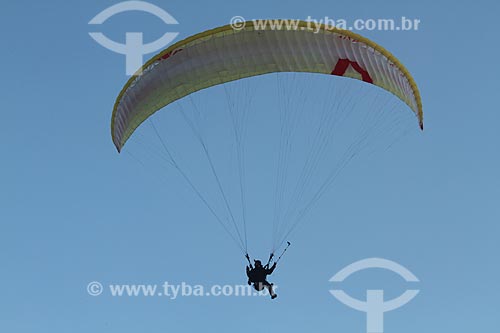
(269, 287)
(258, 286)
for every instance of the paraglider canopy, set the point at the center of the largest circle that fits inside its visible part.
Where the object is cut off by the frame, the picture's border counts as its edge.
(223, 54)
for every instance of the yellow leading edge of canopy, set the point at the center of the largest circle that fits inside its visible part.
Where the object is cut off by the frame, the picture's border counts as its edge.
(301, 24)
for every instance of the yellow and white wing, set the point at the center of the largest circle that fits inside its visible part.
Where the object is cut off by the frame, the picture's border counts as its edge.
(222, 55)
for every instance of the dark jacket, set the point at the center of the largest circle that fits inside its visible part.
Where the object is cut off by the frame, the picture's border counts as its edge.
(258, 274)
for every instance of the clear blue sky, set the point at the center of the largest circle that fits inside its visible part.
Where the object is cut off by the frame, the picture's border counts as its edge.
(72, 210)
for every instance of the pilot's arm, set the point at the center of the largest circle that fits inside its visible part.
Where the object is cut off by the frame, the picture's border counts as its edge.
(248, 271)
(271, 270)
